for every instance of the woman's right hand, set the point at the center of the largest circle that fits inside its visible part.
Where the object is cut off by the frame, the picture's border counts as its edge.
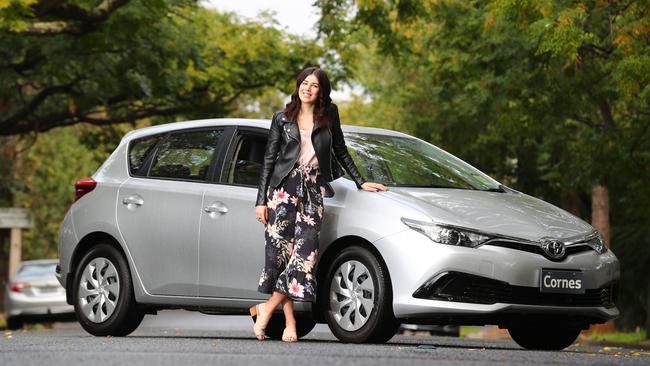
(262, 213)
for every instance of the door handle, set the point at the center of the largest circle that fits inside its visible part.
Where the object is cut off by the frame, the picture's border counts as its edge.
(133, 200)
(216, 207)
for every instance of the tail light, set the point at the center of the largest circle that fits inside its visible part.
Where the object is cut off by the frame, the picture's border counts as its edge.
(83, 186)
(18, 286)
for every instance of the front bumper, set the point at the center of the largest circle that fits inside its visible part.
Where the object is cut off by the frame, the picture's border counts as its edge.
(462, 287)
(412, 260)
(444, 312)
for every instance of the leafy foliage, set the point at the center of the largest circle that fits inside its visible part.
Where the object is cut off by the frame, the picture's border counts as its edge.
(67, 62)
(49, 169)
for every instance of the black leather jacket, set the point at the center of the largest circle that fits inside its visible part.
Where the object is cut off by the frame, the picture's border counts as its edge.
(283, 150)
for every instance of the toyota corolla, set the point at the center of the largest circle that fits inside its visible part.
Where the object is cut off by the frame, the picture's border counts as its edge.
(168, 222)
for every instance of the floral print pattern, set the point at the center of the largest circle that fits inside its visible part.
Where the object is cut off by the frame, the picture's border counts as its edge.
(292, 234)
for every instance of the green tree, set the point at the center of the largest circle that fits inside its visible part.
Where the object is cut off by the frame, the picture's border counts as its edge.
(49, 169)
(65, 62)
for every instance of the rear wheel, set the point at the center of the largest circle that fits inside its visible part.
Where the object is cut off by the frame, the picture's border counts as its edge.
(544, 335)
(358, 298)
(103, 293)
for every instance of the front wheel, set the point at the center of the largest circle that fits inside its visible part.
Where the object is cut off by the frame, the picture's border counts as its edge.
(103, 293)
(358, 298)
(550, 336)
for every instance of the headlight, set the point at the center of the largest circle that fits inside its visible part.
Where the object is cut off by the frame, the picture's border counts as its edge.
(597, 243)
(447, 234)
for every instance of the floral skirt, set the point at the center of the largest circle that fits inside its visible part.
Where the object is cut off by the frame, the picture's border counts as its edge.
(292, 234)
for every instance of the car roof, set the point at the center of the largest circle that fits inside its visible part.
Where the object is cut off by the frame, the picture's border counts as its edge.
(241, 122)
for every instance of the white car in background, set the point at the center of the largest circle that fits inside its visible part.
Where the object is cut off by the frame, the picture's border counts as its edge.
(34, 294)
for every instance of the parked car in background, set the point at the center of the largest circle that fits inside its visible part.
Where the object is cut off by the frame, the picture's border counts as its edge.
(168, 221)
(34, 294)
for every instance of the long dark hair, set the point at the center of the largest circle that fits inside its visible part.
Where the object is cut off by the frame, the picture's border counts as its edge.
(323, 102)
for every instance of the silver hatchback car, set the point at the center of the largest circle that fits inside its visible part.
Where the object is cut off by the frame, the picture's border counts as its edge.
(168, 222)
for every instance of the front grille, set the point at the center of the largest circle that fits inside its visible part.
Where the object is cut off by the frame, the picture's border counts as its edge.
(462, 287)
(574, 249)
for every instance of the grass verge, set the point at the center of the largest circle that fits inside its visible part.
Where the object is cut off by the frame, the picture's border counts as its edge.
(468, 330)
(622, 337)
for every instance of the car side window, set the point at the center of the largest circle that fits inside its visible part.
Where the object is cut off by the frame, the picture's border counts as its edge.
(186, 155)
(246, 165)
(138, 151)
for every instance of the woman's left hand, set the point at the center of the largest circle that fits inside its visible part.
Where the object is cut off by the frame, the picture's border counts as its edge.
(373, 187)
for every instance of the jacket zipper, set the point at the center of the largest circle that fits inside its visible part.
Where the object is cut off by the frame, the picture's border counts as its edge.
(294, 160)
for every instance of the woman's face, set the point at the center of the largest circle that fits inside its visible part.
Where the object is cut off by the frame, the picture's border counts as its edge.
(308, 90)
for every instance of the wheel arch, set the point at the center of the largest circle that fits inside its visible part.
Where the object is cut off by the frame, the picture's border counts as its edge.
(328, 257)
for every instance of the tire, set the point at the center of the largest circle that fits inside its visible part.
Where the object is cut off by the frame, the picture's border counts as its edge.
(549, 336)
(14, 323)
(114, 311)
(275, 327)
(364, 315)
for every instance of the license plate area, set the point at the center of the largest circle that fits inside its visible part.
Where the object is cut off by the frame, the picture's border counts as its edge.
(562, 281)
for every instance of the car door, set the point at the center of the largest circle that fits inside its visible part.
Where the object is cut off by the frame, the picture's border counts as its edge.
(159, 209)
(231, 250)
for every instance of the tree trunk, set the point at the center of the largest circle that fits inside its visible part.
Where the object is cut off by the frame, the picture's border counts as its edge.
(600, 211)
(4, 255)
(647, 309)
(6, 171)
(7, 151)
(11, 155)
(571, 201)
(600, 221)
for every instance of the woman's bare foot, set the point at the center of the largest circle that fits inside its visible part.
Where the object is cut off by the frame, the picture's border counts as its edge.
(289, 333)
(262, 317)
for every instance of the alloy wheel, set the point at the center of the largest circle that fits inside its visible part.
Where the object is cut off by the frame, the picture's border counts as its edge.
(352, 295)
(99, 290)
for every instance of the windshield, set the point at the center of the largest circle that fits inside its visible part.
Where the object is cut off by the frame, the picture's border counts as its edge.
(406, 161)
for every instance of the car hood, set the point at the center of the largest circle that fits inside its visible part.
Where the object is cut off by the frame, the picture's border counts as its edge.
(511, 214)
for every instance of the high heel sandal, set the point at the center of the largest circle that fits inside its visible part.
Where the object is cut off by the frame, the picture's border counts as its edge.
(289, 334)
(260, 323)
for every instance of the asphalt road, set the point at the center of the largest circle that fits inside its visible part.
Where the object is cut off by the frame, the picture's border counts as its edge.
(184, 338)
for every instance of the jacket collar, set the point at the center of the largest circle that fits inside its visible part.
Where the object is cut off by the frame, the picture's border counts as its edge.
(285, 121)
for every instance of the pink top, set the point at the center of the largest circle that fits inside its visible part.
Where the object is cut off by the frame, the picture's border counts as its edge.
(307, 153)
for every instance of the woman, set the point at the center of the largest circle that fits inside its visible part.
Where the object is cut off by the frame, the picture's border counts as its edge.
(305, 141)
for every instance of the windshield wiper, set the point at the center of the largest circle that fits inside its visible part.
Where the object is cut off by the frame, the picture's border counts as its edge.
(500, 189)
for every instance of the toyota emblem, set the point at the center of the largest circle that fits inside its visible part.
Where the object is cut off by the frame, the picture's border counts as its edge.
(554, 248)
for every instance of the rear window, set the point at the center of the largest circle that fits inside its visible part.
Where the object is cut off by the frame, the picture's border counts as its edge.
(138, 151)
(186, 155)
